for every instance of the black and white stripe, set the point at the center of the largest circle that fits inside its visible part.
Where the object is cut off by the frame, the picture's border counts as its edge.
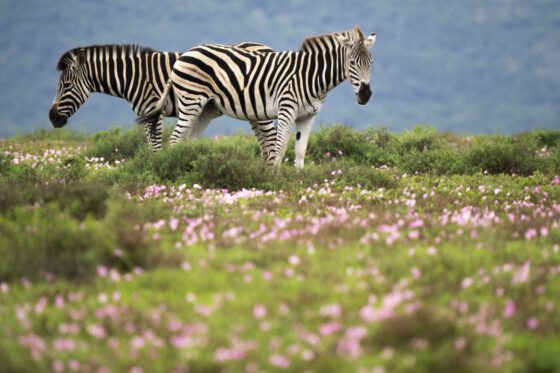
(136, 74)
(289, 86)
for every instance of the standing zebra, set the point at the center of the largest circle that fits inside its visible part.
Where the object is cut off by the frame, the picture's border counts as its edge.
(290, 86)
(136, 74)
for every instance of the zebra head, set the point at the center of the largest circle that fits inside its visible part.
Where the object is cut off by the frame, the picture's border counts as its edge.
(73, 87)
(358, 61)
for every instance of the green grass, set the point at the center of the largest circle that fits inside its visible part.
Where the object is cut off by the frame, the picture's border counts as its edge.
(415, 251)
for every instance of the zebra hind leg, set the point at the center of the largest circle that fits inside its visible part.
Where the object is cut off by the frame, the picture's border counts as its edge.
(283, 131)
(266, 137)
(209, 113)
(156, 134)
(189, 112)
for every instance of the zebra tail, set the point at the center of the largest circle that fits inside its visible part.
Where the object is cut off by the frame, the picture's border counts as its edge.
(152, 116)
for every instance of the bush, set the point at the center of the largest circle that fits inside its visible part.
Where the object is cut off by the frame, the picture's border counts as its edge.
(180, 163)
(548, 138)
(232, 169)
(501, 155)
(438, 161)
(79, 200)
(421, 138)
(50, 239)
(63, 134)
(338, 141)
(47, 240)
(386, 150)
(116, 144)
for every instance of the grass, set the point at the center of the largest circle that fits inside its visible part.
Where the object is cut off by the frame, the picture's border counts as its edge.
(420, 250)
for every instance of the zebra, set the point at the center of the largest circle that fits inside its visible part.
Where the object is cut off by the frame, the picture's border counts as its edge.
(288, 86)
(132, 72)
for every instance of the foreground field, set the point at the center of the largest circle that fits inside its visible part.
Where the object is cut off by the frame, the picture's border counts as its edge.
(420, 251)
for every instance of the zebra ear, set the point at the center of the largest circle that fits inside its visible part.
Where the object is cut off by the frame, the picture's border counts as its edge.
(343, 39)
(80, 58)
(370, 40)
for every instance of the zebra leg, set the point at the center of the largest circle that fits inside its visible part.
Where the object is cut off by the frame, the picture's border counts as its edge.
(148, 130)
(303, 129)
(209, 113)
(286, 116)
(157, 134)
(189, 111)
(266, 136)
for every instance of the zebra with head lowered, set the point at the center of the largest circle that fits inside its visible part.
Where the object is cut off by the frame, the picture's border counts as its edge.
(289, 86)
(136, 74)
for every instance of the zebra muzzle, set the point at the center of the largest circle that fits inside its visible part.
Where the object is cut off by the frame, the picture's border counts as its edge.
(364, 94)
(56, 119)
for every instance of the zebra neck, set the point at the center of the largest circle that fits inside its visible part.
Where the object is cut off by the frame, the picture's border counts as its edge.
(327, 69)
(128, 72)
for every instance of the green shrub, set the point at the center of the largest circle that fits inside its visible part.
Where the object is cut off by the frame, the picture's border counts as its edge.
(499, 154)
(79, 200)
(42, 134)
(374, 147)
(232, 169)
(47, 240)
(338, 141)
(116, 144)
(438, 161)
(385, 147)
(548, 138)
(177, 163)
(367, 177)
(51, 239)
(420, 138)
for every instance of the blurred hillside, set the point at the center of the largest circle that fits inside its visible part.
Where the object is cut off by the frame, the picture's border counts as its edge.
(465, 66)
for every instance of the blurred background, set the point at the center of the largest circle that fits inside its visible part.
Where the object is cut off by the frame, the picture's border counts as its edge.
(469, 66)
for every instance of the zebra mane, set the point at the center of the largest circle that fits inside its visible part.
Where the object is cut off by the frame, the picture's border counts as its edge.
(308, 43)
(130, 49)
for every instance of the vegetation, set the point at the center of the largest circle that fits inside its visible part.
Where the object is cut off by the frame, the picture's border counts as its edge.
(419, 250)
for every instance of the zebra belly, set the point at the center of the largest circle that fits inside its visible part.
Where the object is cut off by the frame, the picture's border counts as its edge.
(251, 113)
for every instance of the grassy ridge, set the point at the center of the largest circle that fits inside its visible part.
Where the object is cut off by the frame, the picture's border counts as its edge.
(418, 251)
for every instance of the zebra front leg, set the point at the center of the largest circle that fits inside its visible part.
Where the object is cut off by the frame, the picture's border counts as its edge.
(189, 110)
(303, 129)
(266, 136)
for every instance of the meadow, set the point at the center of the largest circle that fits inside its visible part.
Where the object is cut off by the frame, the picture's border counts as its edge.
(390, 252)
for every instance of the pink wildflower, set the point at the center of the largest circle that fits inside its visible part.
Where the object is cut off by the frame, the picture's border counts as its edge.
(532, 323)
(259, 311)
(329, 328)
(228, 354)
(522, 274)
(294, 260)
(530, 234)
(460, 343)
(173, 223)
(509, 309)
(280, 361)
(331, 310)
(467, 282)
(102, 271)
(97, 331)
(59, 301)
